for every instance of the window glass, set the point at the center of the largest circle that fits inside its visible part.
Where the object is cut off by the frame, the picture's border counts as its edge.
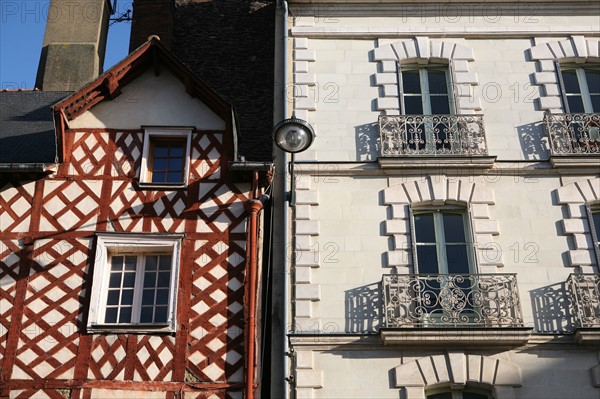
(592, 78)
(454, 230)
(570, 81)
(411, 82)
(596, 223)
(437, 82)
(581, 86)
(424, 227)
(167, 160)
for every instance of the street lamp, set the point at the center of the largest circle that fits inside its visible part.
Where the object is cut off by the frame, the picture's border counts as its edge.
(293, 135)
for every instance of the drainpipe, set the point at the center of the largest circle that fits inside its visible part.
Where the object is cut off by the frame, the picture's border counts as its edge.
(281, 261)
(253, 206)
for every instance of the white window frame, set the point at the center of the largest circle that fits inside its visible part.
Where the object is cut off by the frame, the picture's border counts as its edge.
(583, 86)
(109, 244)
(424, 82)
(439, 232)
(168, 133)
(591, 210)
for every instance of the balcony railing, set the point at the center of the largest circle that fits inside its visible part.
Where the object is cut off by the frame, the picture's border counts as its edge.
(451, 300)
(585, 297)
(573, 133)
(432, 135)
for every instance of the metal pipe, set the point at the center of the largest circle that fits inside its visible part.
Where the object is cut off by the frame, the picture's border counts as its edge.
(253, 206)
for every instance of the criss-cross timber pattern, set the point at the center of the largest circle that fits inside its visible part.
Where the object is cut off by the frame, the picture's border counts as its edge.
(221, 208)
(15, 206)
(108, 357)
(206, 156)
(70, 205)
(89, 153)
(9, 272)
(49, 336)
(215, 395)
(216, 350)
(39, 394)
(128, 152)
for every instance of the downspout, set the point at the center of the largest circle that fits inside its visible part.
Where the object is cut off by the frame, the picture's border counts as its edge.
(253, 206)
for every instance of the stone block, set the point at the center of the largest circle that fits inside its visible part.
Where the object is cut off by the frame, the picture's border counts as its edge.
(460, 65)
(390, 91)
(304, 55)
(574, 226)
(396, 226)
(388, 66)
(466, 77)
(550, 102)
(400, 211)
(395, 195)
(386, 78)
(447, 50)
(551, 89)
(463, 53)
(398, 258)
(546, 65)
(308, 227)
(423, 49)
(305, 360)
(303, 274)
(305, 103)
(301, 43)
(305, 79)
(541, 52)
(301, 66)
(302, 212)
(310, 292)
(569, 194)
(482, 195)
(307, 197)
(593, 47)
(384, 53)
(308, 258)
(303, 309)
(486, 226)
(309, 378)
(480, 211)
(436, 49)
(581, 257)
(576, 211)
(544, 77)
(568, 48)
(386, 103)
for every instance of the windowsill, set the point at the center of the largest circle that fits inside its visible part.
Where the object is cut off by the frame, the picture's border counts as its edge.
(161, 186)
(468, 336)
(131, 328)
(587, 335)
(439, 161)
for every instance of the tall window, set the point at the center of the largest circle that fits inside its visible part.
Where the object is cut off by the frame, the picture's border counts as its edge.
(459, 394)
(442, 244)
(594, 219)
(581, 89)
(425, 98)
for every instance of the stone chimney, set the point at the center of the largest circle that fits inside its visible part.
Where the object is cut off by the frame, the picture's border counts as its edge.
(74, 44)
(152, 17)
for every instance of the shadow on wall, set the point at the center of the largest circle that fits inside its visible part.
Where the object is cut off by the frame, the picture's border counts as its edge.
(534, 141)
(552, 309)
(367, 142)
(363, 308)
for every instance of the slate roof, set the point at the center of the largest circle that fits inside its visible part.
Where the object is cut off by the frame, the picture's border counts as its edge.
(27, 126)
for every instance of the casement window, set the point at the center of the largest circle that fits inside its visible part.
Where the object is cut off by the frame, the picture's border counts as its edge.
(134, 282)
(593, 213)
(425, 91)
(442, 242)
(580, 88)
(425, 96)
(460, 394)
(165, 158)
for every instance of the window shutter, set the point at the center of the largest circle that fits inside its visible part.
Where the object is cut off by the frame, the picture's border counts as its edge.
(472, 241)
(453, 90)
(593, 233)
(400, 88)
(561, 86)
(413, 240)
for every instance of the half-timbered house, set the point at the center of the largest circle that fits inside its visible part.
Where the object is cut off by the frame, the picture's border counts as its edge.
(129, 254)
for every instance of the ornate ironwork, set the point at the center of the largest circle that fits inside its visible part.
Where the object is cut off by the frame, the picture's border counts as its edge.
(584, 290)
(451, 300)
(432, 135)
(573, 133)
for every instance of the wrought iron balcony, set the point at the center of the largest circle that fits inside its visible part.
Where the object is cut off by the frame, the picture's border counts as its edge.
(573, 133)
(451, 300)
(432, 135)
(584, 290)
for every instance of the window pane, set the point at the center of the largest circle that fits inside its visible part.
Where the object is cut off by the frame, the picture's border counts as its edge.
(458, 262)
(148, 297)
(165, 262)
(596, 221)
(113, 297)
(595, 103)
(174, 177)
(411, 82)
(115, 280)
(472, 395)
(125, 315)
(443, 395)
(160, 314)
(159, 164)
(158, 177)
(163, 279)
(424, 227)
(176, 164)
(439, 105)
(130, 262)
(116, 263)
(161, 150)
(127, 297)
(128, 280)
(176, 151)
(162, 297)
(575, 104)
(151, 262)
(413, 105)
(149, 279)
(593, 81)
(454, 230)
(437, 82)
(427, 259)
(570, 81)
(110, 315)
(146, 314)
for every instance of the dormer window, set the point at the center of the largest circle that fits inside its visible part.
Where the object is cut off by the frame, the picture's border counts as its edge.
(166, 158)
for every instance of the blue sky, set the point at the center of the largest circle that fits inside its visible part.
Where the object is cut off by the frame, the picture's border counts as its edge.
(22, 25)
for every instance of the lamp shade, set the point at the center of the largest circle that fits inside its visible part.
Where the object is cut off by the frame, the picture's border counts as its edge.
(293, 135)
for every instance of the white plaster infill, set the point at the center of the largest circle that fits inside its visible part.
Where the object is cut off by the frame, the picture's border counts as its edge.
(457, 369)
(460, 337)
